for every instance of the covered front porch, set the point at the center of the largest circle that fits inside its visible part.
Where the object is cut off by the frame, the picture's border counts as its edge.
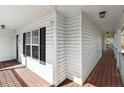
(14, 74)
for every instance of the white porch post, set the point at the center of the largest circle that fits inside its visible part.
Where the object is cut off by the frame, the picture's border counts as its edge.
(118, 41)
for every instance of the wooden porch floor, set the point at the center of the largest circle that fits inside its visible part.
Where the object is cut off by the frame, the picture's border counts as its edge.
(105, 74)
(13, 74)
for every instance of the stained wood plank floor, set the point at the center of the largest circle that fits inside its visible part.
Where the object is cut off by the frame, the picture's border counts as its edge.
(68, 83)
(13, 74)
(104, 74)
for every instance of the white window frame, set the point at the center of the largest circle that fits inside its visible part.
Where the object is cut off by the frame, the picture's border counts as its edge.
(35, 44)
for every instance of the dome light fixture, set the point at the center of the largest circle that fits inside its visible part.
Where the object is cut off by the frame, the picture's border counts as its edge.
(3, 26)
(102, 14)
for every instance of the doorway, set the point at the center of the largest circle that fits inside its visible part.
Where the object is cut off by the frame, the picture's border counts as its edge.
(17, 51)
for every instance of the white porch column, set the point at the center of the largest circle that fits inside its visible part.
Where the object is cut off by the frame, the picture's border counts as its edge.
(118, 42)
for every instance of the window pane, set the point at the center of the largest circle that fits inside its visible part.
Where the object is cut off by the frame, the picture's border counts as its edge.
(35, 52)
(28, 50)
(35, 37)
(24, 43)
(43, 44)
(28, 38)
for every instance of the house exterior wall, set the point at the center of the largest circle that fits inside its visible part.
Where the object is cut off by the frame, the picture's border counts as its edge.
(61, 65)
(7, 45)
(73, 50)
(92, 46)
(73, 47)
(45, 71)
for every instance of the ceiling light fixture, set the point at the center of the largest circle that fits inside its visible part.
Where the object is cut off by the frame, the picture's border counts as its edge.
(102, 14)
(3, 26)
(107, 32)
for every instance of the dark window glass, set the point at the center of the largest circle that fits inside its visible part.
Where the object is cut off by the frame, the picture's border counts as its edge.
(35, 37)
(24, 43)
(27, 38)
(43, 44)
(35, 52)
(28, 50)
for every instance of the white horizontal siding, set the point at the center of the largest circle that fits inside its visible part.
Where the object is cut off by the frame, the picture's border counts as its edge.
(69, 54)
(92, 46)
(7, 45)
(61, 48)
(45, 71)
(73, 49)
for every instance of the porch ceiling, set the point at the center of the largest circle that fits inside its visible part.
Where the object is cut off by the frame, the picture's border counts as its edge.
(15, 17)
(109, 23)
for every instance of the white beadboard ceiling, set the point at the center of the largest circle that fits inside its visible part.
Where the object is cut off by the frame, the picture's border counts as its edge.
(15, 17)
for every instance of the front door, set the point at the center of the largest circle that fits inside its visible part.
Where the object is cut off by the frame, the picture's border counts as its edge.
(17, 47)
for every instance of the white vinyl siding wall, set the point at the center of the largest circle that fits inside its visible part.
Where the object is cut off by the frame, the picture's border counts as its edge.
(45, 71)
(73, 41)
(61, 47)
(73, 47)
(92, 46)
(7, 45)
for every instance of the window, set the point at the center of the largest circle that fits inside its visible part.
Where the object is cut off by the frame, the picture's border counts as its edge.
(35, 52)
(35, 37)
(28, 50)
(28, 44)
(43, 44)
(23, 43)
(28, 41)
(35, 44)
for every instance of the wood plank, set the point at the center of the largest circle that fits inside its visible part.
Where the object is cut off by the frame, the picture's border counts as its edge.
(107, 74)
(14, 79)
(28, 81)
(23, 84)
(68, 83)
(15, 74)
(8, 79)
(92, 73)
(3, 80)
(98, 82)
(86, 85)
(94, 79)
(36, 78)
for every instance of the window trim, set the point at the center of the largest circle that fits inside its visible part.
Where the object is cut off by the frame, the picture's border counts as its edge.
(26, 44)
(39, 46)
(35, 44)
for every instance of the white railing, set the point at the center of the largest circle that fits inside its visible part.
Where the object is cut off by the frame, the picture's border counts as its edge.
(120, 62)
(115, 52)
